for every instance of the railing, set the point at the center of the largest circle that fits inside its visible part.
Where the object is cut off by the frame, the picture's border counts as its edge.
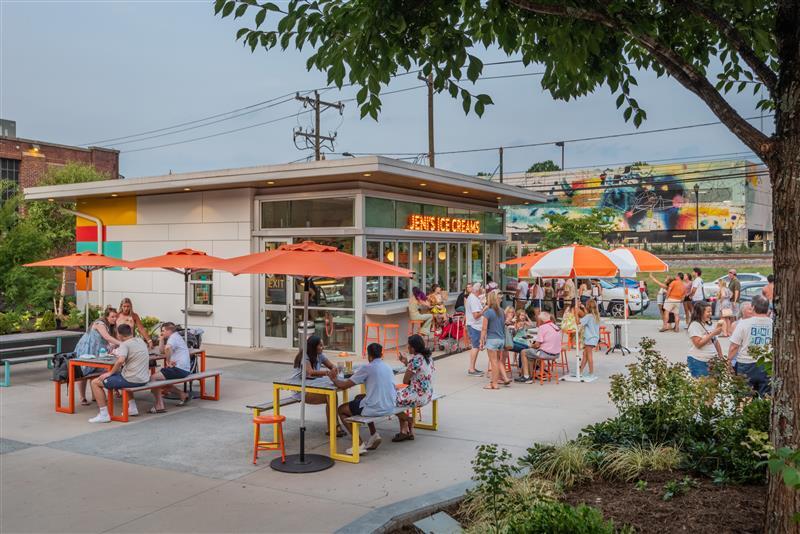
(692, 247)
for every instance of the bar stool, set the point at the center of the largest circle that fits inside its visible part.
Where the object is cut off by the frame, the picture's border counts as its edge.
(369, 336)
(547, 368)
(258, 445)
(563, 363)
(605, 338)
(395, 338)
(415, 327)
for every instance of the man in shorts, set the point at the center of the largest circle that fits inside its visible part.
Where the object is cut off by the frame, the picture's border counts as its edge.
(474, 313)
(132, 369)
(672, 304)
(178, 364)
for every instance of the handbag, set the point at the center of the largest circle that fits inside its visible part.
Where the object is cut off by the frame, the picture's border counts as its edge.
(61, 367)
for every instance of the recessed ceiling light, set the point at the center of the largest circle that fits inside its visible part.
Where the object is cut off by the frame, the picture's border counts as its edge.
(114, 195)
(498, 198)
(50, 199)
(527, 203)
(422, 184)
(270, 183)
(187, 188)
(367, 174)
(465, 192)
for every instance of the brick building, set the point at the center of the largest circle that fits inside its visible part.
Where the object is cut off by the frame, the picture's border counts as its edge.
(25, 161)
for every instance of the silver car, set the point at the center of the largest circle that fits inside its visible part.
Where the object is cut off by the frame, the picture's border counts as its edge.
(711, 288)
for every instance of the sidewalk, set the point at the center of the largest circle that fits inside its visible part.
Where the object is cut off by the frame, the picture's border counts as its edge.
(190, 470)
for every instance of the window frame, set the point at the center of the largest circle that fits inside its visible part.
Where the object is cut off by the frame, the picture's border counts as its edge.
(193, 306)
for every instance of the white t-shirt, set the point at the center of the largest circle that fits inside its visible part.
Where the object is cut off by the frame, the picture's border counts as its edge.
(522, 290)
(697, 285)
(748, 332)
(708, 351)
(180, 352)
(474, 305)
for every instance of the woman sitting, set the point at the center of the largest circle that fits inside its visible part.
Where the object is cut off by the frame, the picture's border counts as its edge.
(436, 300)
(419, 386)
(317, 365)
(99, 337)
(127, 316)
(417, 302)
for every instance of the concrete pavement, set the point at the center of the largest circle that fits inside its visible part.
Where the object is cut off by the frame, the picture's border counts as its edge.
(189, 470)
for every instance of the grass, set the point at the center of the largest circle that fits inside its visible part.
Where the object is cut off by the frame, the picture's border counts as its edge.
(566, 463)
(627, 463)
(709, 274)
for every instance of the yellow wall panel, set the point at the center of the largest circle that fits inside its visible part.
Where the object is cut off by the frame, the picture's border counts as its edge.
(112, 211)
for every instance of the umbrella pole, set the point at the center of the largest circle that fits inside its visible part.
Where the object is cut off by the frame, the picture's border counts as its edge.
(88, 273)
(186, 275)
(577, 331)
(304, 463)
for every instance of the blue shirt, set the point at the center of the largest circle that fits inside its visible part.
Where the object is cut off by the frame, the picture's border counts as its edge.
(496, 327)
(180, 352)
(591, 330)
(379, 379)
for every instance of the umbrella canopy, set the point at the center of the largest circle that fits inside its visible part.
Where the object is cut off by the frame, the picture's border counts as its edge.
(185, 259)
(577, 261)
(528, 258)
(309, 259)
(85, 261)
(646, 262)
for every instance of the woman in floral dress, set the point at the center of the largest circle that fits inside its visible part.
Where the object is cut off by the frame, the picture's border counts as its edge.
(418, 388)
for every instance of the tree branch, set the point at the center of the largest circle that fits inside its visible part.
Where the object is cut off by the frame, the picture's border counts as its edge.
(767, 76)
(677, 67)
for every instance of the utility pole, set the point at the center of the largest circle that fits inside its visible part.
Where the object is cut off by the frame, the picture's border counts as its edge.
(501, 164)
(561, 144)
(319, 106)
(431, 152)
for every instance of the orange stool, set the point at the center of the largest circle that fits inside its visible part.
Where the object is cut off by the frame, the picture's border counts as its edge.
(370, 337)
(394, 338)
(278, 445)
(563, 362)
(605, 338)
(546, 370)
(414, 327)
(570, 338)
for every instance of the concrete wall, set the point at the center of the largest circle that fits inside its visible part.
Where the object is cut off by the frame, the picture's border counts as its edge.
(759, 201)
(216, 222)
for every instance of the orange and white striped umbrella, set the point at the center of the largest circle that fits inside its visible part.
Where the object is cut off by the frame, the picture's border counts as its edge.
(646, 262)
(577, 261)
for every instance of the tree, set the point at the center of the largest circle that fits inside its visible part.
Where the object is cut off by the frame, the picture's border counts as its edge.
(562, 230)
(544, 166)
(582, 45)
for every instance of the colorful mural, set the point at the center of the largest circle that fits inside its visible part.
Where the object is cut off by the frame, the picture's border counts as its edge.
(645, 197)
(114, 211)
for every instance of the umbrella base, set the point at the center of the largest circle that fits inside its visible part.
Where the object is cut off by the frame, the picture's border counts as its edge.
(312, 463)
(582, 378)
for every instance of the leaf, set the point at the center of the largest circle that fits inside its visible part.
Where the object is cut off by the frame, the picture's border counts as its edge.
(218, 6)
(269, 6)
(620, 100)
(260, 16)
(479, 108)
(466, 101)
(362, 95)
(242, 32)
(627, 114)
(474, 69)
(228, 8)
(240, 11)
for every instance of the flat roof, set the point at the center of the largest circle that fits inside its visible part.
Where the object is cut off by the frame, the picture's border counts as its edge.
(376, 170)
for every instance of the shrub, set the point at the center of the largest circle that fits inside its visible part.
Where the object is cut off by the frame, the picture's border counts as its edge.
(8, 322)
(46, 322)
(478, 510)
(559, 518)
(150, 322)
(567, 463)
(627, 463)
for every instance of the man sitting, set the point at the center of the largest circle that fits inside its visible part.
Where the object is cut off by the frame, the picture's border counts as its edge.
(546, 347)
(132, 369)
(379, 399)
(177, 365)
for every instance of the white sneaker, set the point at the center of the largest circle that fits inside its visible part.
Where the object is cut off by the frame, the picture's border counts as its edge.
(374, 442)
(133, 411)
(100, 418)
(362, 449)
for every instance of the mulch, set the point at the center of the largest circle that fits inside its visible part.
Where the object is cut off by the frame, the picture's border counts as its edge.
(706, 508)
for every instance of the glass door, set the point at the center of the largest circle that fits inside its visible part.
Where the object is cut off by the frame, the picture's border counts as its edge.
(275, 315)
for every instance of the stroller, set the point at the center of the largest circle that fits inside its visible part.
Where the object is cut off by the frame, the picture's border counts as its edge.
(452, 332)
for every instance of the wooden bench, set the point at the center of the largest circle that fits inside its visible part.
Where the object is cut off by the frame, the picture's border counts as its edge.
(267, 406)
(418, 423)
(201, 377)
(8, 362)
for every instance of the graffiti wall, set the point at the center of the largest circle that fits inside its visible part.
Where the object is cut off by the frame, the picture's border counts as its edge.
(645, 197)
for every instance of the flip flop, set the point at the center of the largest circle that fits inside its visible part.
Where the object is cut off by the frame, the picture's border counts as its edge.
(185, 401)
(85, 402)
(402, 437)
(154, 410)
(490, 387)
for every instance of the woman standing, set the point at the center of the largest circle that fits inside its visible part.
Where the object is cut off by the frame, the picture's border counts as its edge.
(419, 385)
(703, 343)
(725, 295)
(99, 337)
(493, 336)
(687, 299)
(317, 365)
(127, 316)
(590, 324)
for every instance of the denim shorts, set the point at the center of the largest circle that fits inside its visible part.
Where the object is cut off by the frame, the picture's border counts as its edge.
(474, 337)
(116, 381)
(172, 373)
(697, 368)
(495, 344)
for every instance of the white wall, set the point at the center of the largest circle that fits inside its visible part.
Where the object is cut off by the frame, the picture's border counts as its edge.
(216, 222)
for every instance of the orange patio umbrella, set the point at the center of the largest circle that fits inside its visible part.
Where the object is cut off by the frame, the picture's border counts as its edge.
(85, 262)
(308, 260)
(528, 258)
(646, 262)
(184, 261)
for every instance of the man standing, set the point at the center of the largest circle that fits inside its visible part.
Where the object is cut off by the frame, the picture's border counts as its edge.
(769, 292)
(522, 294)
(697, 293)
(755, 331)
(736, 290)
(132, 369)
(474, 314)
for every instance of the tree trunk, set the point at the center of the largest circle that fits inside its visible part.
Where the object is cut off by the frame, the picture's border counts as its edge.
(783, 502)
(61, 292)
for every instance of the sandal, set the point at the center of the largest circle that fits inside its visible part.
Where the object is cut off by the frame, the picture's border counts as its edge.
(85, 402)
(155, 410)
(185, 401)
(402, 437)
(489, 386)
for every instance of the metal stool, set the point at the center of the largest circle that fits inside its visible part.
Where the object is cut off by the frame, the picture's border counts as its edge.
(394, 338)
(368, 337)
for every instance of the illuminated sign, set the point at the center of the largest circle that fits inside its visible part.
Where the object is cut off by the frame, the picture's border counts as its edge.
(430, 223)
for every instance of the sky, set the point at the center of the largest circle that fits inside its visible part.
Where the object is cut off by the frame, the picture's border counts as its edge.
(81, 72)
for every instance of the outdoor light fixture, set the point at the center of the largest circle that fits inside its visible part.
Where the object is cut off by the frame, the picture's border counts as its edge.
(422, 184)
(367, 174)
(51, 200)
(35, 148)
(270, 183)
(498, 198)
(114, 195)
(187, 188)
(465, 192)
(442, 255)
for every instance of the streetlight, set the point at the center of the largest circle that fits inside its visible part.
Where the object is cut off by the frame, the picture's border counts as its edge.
(697, 214)
(348, 155)
(561, 144)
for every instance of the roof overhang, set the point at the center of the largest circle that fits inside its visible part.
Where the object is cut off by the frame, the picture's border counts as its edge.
(372, 169)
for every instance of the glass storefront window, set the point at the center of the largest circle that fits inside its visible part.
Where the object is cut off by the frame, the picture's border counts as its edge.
(416, 264)
(335, 327)
(435, 211)
(452, 274)
(389, 257)
(441, 265)
(493, 223)
(463, 258)
(328, 292)
(373, 282)
(275, 214)
(404, 261)
(403, 210)
(476, 255)
(308, 213)
(430, 266)
(379, 212)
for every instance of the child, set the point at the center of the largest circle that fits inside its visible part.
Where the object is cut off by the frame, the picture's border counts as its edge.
(590, 323)
(436, 301)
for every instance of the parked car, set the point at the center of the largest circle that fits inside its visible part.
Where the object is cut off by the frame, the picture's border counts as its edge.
(711, 288)
(614, 298)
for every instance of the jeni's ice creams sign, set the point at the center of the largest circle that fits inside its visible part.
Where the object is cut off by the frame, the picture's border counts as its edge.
(430, 223)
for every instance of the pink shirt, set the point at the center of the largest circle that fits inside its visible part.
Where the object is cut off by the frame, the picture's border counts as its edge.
(549, 338)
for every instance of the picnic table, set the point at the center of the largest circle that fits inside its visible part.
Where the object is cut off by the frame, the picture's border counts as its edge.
(26, 337)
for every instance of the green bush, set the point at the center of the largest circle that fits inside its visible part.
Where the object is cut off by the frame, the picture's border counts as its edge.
(149, 322)
(46, 322)
(8, 322)
(627, 463)
(566, 464)
(547, 517)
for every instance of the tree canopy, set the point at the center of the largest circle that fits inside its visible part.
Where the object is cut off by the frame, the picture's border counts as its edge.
(544, 166)
(562, 230)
